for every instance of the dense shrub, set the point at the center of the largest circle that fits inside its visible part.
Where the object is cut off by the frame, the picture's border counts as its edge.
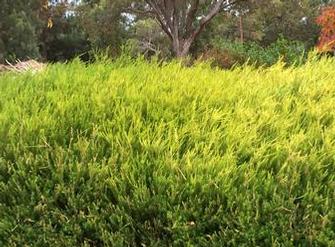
(156, 155)
(222, 58)
(225, 53)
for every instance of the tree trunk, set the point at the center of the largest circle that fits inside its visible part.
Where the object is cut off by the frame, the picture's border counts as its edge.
(182, 22)
(181, 48)
(241, 30)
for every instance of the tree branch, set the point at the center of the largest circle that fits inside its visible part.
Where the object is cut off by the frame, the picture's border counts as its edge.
(216, 8)
(161, 18)
(191, 15)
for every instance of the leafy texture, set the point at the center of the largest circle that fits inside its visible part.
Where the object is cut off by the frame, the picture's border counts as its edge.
(138, 154)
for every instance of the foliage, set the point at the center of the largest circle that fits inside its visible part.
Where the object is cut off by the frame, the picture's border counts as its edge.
(327, 22)
(104, 24)
(65, 39)
(60, 30)
(292, 19)
(19, 29)
(291, 52)
(138, 154)
(222, 58)
(264, 22)
(148, 39)
(182, 21)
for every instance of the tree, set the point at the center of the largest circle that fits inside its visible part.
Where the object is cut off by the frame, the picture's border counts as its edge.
(327, 36)
(263, 22)
(105, 23)
(292, 19)
(148, 39)
(63, 38)
(184, 20)
(20, 27)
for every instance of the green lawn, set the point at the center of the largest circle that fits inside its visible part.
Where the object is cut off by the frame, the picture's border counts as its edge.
(139, 154)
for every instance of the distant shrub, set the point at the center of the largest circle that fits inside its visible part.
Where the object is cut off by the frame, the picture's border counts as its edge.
(226, 53)
(222, 58)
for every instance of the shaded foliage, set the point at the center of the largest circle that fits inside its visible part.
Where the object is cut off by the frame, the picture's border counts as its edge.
(20, 28)
(64, 39)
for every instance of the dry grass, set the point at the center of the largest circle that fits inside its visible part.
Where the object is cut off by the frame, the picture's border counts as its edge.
(22, 66)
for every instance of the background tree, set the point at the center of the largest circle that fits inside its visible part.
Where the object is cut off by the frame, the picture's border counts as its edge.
(265, 21)
(20, 27)
(57, 30)
(292, 19)
(63, 38)
(105, 24)
(149, 39)
(183, 21)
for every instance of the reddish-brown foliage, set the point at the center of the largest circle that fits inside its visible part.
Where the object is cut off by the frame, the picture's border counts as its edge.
(327, 23)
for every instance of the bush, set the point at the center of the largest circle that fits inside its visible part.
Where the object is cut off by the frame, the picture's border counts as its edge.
(222, 58)
(225, 53)
(162, 155)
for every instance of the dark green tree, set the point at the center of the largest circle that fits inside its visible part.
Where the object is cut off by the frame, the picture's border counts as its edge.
(64, 38)
(20, 27)
(105, 23)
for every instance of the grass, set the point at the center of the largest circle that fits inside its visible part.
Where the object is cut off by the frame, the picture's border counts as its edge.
(141, 154)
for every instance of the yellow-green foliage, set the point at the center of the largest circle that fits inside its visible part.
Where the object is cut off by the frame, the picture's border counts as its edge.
(142, 154)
